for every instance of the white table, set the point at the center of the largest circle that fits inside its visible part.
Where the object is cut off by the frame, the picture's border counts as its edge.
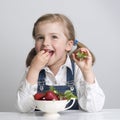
(106, 114)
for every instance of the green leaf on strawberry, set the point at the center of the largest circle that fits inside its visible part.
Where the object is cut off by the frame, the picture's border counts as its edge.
(81, 55)
(69, 95)
(54, 90)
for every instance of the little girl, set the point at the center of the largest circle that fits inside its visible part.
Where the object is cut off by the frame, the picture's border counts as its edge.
(50, 64)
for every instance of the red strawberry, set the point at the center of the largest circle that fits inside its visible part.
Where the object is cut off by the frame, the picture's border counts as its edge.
(39, 96)
(50, 95)
(80, 55)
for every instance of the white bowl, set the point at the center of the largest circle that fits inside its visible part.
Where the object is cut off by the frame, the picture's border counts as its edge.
(53, 107)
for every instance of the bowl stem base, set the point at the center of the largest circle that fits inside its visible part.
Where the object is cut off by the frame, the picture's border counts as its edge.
(51, 115)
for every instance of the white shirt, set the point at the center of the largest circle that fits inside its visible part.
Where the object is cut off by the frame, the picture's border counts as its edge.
(90, 96)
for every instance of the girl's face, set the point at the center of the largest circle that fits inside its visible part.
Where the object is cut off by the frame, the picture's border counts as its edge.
(50, 37)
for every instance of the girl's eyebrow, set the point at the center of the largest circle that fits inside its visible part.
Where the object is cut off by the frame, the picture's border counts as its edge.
(38, 35)
(55, 33)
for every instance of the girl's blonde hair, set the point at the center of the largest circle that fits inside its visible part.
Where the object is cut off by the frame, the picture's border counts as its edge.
(68, 31)
(51, 18)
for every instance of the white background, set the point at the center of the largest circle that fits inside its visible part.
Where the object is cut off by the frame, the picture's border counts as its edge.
(97, 24)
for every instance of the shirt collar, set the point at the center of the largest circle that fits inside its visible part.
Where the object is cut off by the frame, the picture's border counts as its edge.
(67, 63)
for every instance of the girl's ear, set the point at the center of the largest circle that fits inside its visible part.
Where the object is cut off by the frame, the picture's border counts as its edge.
(69, 45)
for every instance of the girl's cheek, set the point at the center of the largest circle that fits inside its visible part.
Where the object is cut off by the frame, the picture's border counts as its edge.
(38, 46)
(37, 50)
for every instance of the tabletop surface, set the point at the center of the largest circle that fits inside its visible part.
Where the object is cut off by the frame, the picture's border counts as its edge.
(105, 114)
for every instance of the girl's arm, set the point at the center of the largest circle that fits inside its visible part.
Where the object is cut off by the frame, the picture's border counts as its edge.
(91, 97)
(25, 99)
(28, 85)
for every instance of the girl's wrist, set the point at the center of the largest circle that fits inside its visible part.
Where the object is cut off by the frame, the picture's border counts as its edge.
(32, 76)
(89, 76)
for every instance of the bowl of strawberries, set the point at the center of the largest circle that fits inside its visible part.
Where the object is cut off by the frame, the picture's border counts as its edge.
(52, 102)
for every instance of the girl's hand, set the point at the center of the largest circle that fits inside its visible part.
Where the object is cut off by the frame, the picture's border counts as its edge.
(38, 62)
(85, 64)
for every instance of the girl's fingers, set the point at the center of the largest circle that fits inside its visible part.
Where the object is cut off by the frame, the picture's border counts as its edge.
(82, 54)
(86, 51)
(42, 53)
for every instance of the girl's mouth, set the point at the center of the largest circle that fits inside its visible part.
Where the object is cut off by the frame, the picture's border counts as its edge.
(51, 52)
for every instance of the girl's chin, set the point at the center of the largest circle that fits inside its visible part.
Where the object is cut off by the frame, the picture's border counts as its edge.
(50, 62)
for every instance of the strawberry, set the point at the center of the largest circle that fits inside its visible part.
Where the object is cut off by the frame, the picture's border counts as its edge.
(53, 94)
(50, 95)
(80, 55)
(39, 96)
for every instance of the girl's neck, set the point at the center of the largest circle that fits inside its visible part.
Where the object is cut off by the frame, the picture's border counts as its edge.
(55, 67)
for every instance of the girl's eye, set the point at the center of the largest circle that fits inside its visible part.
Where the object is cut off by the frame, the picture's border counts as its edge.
(40, 38)
(54, 37)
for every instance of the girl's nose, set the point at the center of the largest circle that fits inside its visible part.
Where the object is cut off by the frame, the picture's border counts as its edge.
(46, 42)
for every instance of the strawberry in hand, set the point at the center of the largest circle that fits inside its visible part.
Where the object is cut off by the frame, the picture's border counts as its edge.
(80, 55)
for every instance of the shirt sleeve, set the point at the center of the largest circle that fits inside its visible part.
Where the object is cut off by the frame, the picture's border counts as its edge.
(25, 99)
(91, 97)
